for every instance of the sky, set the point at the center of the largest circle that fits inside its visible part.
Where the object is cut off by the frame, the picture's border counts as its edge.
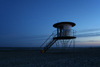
(28, 23)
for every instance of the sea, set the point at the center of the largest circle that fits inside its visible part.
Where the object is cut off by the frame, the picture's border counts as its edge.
(33, 48)
(19, 48)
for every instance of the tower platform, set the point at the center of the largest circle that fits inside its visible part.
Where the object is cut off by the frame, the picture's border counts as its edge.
(67, 37)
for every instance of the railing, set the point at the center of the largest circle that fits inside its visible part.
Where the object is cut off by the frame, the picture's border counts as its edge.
(49, 38)
(55, 34)
(69, 32)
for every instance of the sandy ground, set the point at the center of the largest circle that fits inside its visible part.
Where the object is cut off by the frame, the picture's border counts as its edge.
(83, 57)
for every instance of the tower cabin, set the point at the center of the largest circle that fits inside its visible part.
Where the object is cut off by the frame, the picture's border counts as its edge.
(64, 31)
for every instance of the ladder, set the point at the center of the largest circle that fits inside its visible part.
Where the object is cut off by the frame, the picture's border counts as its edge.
(48, 44)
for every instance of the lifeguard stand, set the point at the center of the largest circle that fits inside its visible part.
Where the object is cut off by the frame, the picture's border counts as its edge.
(64, 32)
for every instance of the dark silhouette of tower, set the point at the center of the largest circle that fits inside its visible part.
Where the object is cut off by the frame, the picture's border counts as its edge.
(64, 32)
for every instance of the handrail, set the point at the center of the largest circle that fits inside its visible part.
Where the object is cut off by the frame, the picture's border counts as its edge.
(49, 38)
(46, 40)
(73, 32)
(54, 34)
(54, 31)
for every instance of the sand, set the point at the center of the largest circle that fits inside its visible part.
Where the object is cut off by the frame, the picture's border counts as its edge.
(81, 57)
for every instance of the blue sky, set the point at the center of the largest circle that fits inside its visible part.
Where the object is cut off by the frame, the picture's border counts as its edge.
(27, 23)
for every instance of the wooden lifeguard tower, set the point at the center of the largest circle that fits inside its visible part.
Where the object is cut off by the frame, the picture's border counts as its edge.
(64, 32)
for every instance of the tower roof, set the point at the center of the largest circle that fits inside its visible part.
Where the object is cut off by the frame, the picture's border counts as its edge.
(57, 24)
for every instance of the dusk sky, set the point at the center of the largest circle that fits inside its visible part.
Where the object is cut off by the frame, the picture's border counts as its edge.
(28, 23)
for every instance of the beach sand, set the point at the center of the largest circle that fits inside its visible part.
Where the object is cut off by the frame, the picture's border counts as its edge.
(81, 57)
